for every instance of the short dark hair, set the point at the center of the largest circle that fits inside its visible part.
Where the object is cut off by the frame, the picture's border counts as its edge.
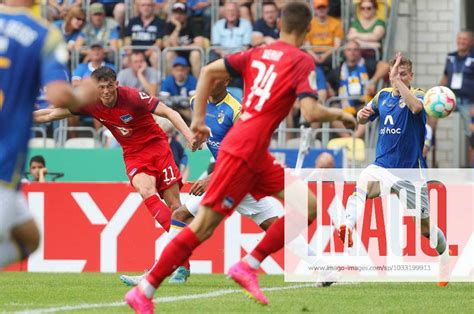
(269, 2)
(295, 17)
(38, 159)
(104, 74)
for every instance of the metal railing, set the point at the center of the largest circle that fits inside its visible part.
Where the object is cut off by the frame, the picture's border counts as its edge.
(61, 133)
(125, 50)
(42, 131)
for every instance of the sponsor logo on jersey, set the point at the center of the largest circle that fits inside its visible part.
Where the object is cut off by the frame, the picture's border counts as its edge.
(126, 118)
(220, 117)
(388, 126)
(228, 202)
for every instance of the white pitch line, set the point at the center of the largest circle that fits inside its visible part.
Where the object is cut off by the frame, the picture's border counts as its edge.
(213, 294)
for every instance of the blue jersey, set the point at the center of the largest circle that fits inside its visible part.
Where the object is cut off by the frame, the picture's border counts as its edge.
(31, 55)
(220, 118)
(84, 70)
(401, 133)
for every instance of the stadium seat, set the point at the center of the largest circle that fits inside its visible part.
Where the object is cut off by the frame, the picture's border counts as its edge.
(80, 142)
(39, 142)
(346, 143)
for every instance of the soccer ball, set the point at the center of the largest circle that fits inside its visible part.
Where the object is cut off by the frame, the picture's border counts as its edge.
(439, 102)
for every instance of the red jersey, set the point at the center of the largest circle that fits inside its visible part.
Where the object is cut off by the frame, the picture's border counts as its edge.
(274, 75)
(130, 120)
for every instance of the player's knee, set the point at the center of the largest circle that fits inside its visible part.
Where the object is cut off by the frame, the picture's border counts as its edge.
(146, 190)
(27, 236)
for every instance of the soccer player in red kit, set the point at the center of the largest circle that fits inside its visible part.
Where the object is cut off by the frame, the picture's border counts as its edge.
(274, 75)
(127, 113)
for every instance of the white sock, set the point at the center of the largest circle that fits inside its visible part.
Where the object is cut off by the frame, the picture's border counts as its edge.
(252, 261)
(9, 253)
(147, 288)
(355, 202)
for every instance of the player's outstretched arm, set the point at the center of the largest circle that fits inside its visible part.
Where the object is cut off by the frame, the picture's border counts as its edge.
(313, 111)
(175, 118)
(48, 115)
(60, 94)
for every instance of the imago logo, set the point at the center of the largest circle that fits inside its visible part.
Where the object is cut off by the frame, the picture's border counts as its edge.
(409, 225)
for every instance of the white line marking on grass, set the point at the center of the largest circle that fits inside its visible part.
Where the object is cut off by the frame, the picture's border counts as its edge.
(213, 294)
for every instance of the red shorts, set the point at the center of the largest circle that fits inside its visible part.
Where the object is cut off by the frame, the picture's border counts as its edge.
(232, 179)
(158, 163)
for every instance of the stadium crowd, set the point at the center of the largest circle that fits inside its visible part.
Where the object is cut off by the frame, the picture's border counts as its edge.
(162, 46)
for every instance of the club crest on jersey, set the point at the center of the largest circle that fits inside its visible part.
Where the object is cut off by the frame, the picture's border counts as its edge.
(402, 104)
(220, 117)
(126, 118)
(228, 202)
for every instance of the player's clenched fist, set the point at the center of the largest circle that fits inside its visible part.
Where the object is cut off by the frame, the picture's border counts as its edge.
(365, 113)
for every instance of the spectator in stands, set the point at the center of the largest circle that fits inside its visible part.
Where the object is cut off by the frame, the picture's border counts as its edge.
(355, 78)
(459, 76)
(57, 9)
(265, 30)
(325, 31)
(115, 8)
(139, 75)
(325, 160)
(38, 168)
(96, 56)
(180, 33)
(101, 29)
(178, 87)
(146, 30)
(232, 33)
(71, 28)
(246, 9)
(368, 31)
(201, 16)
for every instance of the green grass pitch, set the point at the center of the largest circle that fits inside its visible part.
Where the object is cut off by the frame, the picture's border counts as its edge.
(103, 293)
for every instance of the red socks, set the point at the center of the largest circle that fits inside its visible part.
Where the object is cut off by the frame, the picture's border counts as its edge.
(174, 255)
(273, 240)
(159, 211)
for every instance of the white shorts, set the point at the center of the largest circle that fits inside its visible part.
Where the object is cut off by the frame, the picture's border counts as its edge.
(258, 211)
(13, 211)
(416, 189)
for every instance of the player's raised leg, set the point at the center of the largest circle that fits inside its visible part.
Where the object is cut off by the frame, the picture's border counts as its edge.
(146, 186)
(244, 272)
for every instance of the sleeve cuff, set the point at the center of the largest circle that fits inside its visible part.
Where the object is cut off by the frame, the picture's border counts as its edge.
(230, 69)
(154, 106)
(304, 95)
